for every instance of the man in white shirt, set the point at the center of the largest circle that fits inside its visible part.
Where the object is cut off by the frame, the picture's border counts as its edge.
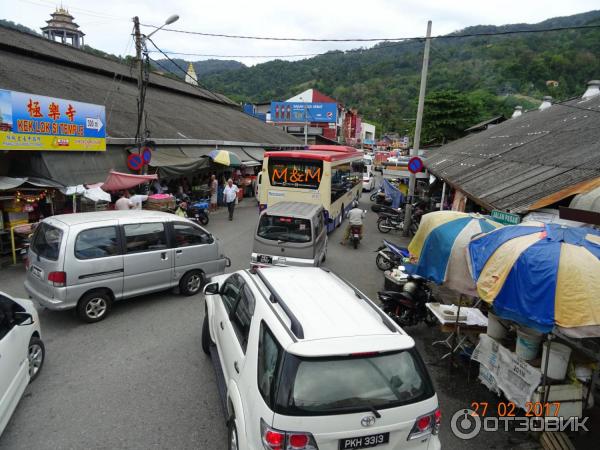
(137, 200)
(355, 217)
(230, 196)
(124, 204)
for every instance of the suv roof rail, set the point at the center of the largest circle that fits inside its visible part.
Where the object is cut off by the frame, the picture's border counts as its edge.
(384, 318)
(275, 298)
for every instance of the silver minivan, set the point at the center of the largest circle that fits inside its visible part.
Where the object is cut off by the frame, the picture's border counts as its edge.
(290, 234)
(89, 260)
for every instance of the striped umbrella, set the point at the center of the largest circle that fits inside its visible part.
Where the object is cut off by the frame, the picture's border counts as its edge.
(541, 275)
(440, 247)
(224, 157)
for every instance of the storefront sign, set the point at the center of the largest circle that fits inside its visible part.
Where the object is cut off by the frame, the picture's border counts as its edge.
(35, 122)
(506, 218)
(298, 112)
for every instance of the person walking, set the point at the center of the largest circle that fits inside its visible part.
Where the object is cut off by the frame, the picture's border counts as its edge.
(214, 186)
(230, 195)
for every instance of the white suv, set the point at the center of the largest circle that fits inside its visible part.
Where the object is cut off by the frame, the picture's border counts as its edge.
(308, 362)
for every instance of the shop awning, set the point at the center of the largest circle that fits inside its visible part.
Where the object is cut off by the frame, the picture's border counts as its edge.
(255, 153)
(7, 183)
(173, 162)
(73, 168)
(116, 181)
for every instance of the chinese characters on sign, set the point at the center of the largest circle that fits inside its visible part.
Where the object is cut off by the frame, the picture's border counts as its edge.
(35, 122)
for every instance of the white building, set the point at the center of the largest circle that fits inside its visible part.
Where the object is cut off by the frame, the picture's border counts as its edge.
(367, 133)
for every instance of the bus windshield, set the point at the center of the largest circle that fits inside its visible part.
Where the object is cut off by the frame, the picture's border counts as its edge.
(295, 173)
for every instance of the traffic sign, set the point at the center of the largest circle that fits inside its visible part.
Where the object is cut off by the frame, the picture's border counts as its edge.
(415, 165)
(506, 218)
(135, 162)
(146, 154)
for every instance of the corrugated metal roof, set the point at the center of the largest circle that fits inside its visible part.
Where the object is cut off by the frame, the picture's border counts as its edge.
(175, 110)
(526, 159)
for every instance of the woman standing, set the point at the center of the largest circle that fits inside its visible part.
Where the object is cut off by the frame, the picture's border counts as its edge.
(214, 185)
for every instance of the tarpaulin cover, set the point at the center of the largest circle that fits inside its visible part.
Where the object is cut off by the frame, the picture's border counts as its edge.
(440, 247)
(540, 275)
(394, 193)
(117, 181)
(173, 162)
(10, 183)
(96, 195)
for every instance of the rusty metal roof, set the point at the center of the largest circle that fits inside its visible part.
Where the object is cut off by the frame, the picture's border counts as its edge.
(518, 163)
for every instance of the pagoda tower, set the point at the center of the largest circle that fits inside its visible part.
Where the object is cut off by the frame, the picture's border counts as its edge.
(61, 28)
(190, 76)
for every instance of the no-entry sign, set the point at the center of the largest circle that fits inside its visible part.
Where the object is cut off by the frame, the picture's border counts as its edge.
(135, 162)
(415, 165)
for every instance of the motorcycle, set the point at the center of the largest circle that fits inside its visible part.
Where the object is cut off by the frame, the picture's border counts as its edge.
(407, 308)
(390, 255)
(355, 234)
(380, 198)
(199, 212)
(388, 222)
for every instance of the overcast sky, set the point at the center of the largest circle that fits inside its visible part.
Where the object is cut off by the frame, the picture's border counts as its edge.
(107, 23)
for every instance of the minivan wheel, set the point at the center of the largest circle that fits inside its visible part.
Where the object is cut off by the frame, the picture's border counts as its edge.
(233, 435)
(206, 340)
(191, 283)
(36, 353)
(94, 306)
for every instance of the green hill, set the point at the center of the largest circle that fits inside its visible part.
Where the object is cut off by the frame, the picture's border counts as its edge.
(491, 73)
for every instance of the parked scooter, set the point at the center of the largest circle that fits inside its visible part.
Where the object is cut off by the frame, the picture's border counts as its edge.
(199, 212)
(390, 255)
(407, 308)
(388, 222)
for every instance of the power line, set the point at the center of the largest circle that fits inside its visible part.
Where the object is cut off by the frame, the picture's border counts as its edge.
(353, 50)
(419, 38)
(208, 55)
(212, 94)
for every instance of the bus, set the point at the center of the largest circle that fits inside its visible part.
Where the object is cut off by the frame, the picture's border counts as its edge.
(326, 175)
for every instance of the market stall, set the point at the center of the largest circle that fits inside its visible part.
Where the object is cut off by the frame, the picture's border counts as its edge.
(542, 281)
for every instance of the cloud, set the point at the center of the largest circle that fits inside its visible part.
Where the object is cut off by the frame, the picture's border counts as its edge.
(108, 25)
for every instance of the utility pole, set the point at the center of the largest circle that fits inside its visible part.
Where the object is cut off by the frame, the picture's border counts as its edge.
(415, 149)
(305, 125)
(140, 81)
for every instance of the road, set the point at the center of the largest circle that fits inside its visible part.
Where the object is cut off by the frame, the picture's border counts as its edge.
(139, 379)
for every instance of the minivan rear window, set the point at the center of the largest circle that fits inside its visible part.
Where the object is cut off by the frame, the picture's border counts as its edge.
(46, 242)
(313, 386)
(287, 229)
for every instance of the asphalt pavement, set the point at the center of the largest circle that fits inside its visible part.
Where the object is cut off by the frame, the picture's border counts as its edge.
(139, 379)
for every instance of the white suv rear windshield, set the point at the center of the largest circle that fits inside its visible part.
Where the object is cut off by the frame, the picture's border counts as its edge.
(321, 386)
(287, 229)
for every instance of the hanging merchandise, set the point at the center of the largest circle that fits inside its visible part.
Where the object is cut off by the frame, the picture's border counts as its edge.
(25, 198)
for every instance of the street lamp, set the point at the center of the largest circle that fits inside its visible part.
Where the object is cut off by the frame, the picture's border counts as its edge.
(169, 21)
